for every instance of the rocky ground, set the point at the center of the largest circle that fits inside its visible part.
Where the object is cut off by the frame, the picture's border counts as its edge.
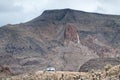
(109, 72)
(64, 39)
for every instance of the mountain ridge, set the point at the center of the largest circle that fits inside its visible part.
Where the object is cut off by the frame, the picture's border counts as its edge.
(64, 38)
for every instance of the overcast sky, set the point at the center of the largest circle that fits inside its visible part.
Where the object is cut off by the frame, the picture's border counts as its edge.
(17, 11)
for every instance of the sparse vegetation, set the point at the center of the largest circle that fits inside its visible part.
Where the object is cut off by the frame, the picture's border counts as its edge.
(113, 73)
(66, 39)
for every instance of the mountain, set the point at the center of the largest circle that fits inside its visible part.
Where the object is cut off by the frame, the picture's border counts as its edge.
(98, 64)
(64, 39)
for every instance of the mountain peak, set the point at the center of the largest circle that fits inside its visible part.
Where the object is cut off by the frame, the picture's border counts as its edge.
(67, 9)
(63, 38)
(56, 15)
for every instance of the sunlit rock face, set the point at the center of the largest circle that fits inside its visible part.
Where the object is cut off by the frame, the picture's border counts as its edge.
(71, 34)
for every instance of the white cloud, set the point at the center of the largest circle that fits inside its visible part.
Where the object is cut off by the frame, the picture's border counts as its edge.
(109, 7)
(9, 6)
(16, 11)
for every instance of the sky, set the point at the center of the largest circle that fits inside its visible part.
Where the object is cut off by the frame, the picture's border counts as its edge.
(20, 11)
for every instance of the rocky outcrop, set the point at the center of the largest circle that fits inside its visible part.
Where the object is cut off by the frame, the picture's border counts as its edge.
(5, 70)
(98, 63)
(62, 38)
(71, 34)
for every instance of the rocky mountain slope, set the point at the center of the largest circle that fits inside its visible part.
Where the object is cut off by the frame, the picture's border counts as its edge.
(98, 63)
(64, 39)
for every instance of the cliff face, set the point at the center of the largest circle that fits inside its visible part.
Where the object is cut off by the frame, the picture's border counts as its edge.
(71, 34)
(63, 38)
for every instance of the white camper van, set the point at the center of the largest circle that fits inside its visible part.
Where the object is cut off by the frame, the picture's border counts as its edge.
(50, 69)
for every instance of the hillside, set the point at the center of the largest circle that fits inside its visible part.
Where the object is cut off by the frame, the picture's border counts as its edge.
(107, 73)
(98, 63)
(64, 39)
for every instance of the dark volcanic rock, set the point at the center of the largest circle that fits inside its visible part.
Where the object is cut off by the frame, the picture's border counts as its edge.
(98, 63)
